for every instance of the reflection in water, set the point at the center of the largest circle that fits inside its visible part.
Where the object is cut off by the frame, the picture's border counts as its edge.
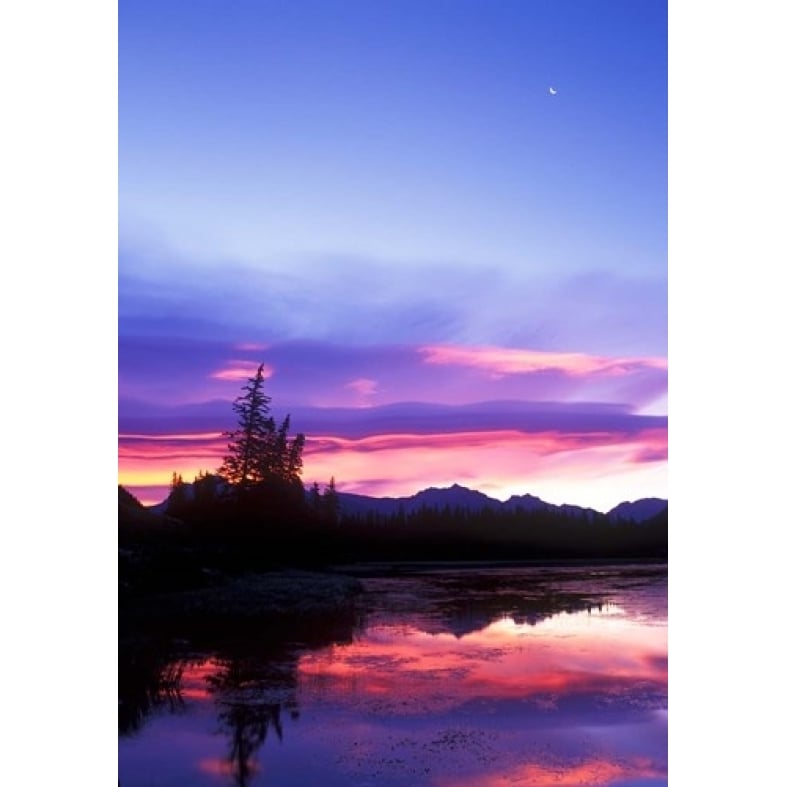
(250, 694)
(147, 681)
(566, 655)
(558, 678)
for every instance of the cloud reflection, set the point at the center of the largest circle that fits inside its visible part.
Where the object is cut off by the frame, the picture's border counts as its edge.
(569, 655)
(591, 772)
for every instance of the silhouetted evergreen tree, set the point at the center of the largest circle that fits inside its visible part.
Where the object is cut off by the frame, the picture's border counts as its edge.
(258, 451)
(315, 499)
(250, 444)
(330, 502)
(263, 466)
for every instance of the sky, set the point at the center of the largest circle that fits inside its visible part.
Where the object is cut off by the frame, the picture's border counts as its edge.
(451, 273)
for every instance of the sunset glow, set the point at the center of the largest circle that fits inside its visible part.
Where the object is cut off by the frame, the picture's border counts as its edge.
(413, 251)
(401, 464)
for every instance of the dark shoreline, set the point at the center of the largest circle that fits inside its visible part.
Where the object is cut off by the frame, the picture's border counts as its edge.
(296, 597)
(395, 567)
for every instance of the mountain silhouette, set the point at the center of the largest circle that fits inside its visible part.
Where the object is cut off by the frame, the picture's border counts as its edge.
(459, 497)
(639, 510)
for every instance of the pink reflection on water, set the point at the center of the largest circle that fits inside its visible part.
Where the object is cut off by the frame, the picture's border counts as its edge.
(568, 654)
(194, 679)
(216, 766)
(590, 772)
(571, 699)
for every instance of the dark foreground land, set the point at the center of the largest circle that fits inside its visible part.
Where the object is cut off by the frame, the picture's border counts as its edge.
(213, 569)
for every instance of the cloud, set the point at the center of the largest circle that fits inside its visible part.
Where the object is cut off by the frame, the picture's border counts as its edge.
(366, 300)
(363, 386)
(540, 444)
(163, 370)
(365, 389)
(504, 361)
(401, 418)
(236, 371)
(251, 346)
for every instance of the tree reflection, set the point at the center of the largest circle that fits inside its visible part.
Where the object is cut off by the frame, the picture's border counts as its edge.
(463, 602)
(147, 681)
(248, 727)
(251, 692)
(251, 678)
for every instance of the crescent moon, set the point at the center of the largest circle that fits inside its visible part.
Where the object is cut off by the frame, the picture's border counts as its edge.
(552, 91)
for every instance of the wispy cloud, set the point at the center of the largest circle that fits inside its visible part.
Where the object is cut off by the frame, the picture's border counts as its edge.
(365, 389)
(236, 371)
(403, 418)
(499, 361)
(367, 300)
(330, 375)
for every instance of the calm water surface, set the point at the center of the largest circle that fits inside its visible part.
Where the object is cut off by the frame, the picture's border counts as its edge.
(451, 678)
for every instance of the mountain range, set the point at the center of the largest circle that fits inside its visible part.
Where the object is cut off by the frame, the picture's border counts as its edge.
(460, 497)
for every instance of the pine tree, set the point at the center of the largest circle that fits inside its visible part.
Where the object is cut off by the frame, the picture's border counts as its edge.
(315, 499)
(178, 497)
(258, 451)
(330, 502)
(250, 444)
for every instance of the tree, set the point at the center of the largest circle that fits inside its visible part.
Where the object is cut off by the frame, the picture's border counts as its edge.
(248, 444)
(178, 496)
(315, 499)
(330, 501)
(258, 451)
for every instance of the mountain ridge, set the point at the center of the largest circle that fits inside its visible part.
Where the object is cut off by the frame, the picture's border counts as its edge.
(457, 496)
(461, 497)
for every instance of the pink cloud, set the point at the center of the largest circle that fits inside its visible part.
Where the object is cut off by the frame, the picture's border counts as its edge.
(170, 438)
(500, 361)
(365, 388)
(538, 443)
(240, 370)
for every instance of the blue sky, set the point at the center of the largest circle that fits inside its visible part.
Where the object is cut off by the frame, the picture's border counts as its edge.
(373, 179)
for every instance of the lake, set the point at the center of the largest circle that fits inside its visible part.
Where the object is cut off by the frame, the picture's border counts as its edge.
(453, 677)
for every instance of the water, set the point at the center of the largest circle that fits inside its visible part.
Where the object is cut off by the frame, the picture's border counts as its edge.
(452, 678)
